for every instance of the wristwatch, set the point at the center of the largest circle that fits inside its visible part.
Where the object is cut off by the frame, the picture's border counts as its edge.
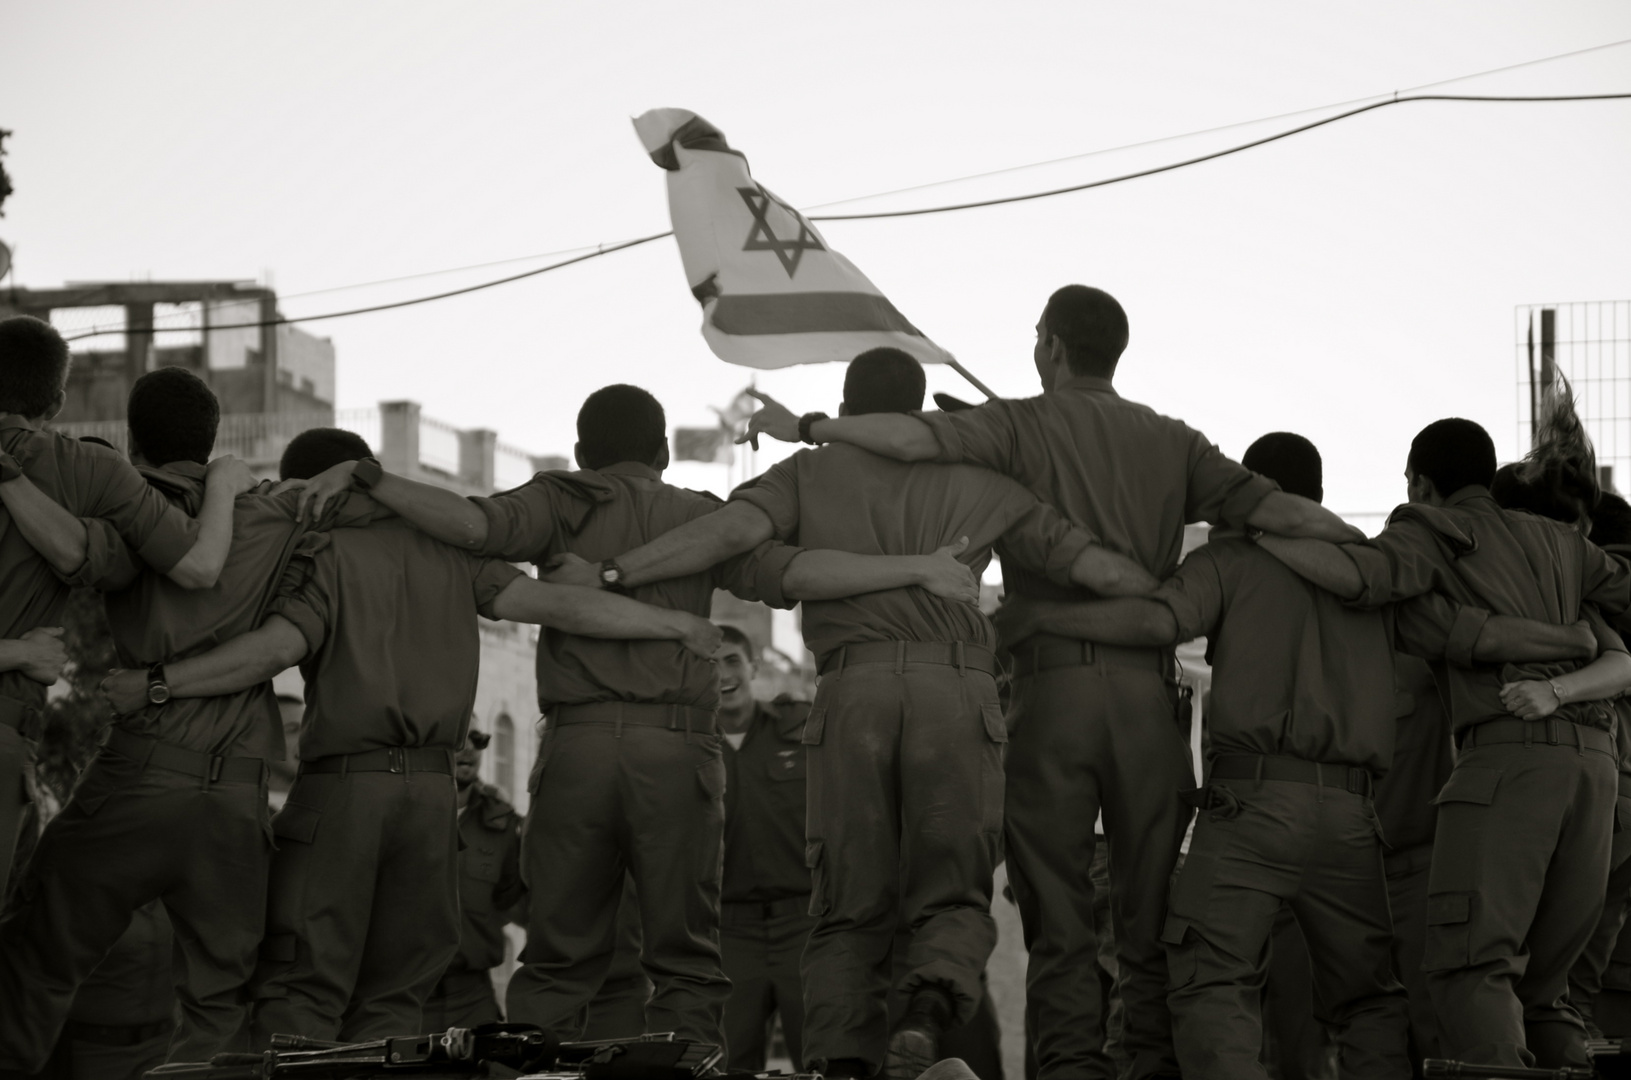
(367, 473)
(804, 425)
(158, 691)
(1558, 692)
(611, 576)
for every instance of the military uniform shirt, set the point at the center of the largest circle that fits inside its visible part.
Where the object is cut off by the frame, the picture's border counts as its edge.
(1131, 476)
(844, 498)
(154, 620)
(1294, 670)
(490, 883)
(393, 649)
(598, 515)
(88, 481)
(1489, 560)
(764, 807)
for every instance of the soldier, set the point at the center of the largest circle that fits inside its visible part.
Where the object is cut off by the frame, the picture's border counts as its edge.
(906, 720)
(173, 806)
(1520, 859)
(90, 481)
(122, 1017)
(765, 890)
(1084, 720)
(490, 891)
(629, 773)
(363, 909)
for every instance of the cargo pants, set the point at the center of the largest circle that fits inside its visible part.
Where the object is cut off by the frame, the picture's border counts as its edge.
(618, 1009)
(904, 822)
(1085, 738)
(1407, 879)
(14, 754)
(1586, 978)
(1520, 865)
(611, 798)
(133, 832)
(762, 946)
(363, 909)
(1260, 844)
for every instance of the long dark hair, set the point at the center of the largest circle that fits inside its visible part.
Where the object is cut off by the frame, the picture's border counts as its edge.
(1558, 477)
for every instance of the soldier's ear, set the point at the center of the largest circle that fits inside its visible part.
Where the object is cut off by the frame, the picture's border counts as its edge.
(577, 455)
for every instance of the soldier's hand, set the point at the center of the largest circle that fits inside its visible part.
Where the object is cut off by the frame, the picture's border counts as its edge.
(231, 472)
(125, 689)
(775, 420)
(569, 569)
(944, 576)
(323, 489)
(43, 654)
(702, 637)
(1531, 699)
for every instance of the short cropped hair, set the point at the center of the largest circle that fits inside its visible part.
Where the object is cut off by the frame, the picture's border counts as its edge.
(173, 416)
(620, 423)
(33, 365)
(1091, 324)
(1453, 454)
(318, 449)
(734, 636)
(883, 380)
(1290, 461)
(1611, 521)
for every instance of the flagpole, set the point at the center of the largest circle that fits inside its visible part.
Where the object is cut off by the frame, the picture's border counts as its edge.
(965, 373)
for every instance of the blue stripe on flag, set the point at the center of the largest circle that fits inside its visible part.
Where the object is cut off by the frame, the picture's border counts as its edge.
(808, 313)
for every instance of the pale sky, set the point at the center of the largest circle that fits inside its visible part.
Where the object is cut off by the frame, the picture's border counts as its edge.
(1351, 284)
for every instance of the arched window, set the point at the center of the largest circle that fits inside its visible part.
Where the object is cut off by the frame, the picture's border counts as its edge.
(504, 753)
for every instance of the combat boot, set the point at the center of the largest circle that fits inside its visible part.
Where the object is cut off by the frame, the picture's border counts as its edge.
(915, 1044)
(846, 1069)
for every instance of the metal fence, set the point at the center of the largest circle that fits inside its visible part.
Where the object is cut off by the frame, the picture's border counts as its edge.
(1589, 344)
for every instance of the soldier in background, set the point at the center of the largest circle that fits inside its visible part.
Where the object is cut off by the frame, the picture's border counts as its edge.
(123, 1014)
(765, 910)
(490, 891)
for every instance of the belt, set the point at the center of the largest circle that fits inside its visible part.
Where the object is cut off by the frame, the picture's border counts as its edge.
(1088, 654)
(211, 767)
(1275, 767)
(1548, 732)
(955, 654)
(20, 715)
(393, 759)
(116, 1034)
(744, 911)
(686, 718)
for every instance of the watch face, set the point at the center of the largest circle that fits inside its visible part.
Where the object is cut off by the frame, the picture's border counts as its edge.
(609, 576)
(158, 693)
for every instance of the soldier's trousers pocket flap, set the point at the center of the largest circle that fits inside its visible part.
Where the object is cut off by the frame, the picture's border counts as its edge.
(815, 725)
(1173, 931)
(1449, 909)
(1622, 814)
(995, 728)
(1470, 785)
(296, 822)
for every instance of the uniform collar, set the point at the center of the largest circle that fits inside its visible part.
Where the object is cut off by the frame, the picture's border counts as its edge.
(630, 468)
(1093, 383)
(15, 420)
(1468, 494)
(486, 803)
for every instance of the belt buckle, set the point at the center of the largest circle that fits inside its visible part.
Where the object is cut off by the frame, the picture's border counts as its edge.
(396, 759)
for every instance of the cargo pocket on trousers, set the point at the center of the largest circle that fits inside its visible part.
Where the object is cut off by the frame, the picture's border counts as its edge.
(814, 726)
(1469, 784)
(1449, 924)
(815, 860)
(993, 778)
(1180, 948)
(297, 822)
(1622, 814)
(546, 747)
(711, 778)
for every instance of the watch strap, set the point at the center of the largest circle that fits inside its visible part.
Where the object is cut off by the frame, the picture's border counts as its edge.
(805, 421)
(367, 473)
(611, 576)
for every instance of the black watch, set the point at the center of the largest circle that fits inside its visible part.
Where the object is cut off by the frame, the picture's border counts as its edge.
(367, 473)
(158, 691)
(804, 425)
(611, 576)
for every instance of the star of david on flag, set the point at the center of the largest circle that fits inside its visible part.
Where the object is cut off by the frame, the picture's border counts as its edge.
(773, 291)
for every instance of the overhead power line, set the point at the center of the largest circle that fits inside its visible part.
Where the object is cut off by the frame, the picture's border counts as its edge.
(607, 249)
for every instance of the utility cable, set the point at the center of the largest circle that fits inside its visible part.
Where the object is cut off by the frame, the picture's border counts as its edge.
(607, 249)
